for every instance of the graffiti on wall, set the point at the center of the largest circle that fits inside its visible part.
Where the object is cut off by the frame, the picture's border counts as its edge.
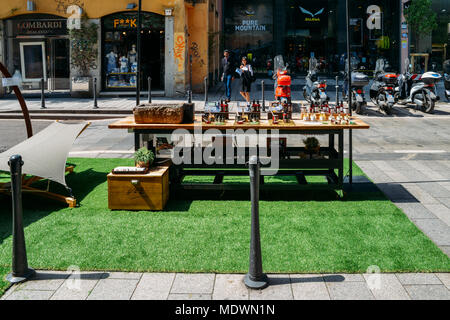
(196, 56)
(180, 50)
(62, 5)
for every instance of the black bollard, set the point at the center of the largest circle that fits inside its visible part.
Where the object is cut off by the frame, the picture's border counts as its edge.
(20, 271)
(263, 98)
(149, 79)
(206, 90)
(42, 94)
(255, 278)
(95, 94)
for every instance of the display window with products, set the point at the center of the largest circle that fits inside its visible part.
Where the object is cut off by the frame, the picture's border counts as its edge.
(299, 29)
(36, 48)
(119, 51)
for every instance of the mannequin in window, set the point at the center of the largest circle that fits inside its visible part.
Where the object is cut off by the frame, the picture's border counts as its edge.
(112, 61)
(123, 64)
(132, 54)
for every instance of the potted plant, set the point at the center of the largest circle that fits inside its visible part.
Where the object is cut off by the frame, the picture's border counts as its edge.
(83, 58)
(312, 145)
(144, 158)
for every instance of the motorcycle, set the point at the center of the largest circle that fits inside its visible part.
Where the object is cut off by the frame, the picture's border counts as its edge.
(382, 91)
(359, 81)
(446, 66)
(282, 81)
(418, 89)
(315, 91)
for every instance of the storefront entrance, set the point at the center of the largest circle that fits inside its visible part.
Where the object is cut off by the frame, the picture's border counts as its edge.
(37, 47)
(298, 29)
(119, 51)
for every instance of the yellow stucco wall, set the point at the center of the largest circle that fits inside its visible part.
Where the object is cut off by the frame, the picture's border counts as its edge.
(191, 27)
(93, 8)
(198, 44)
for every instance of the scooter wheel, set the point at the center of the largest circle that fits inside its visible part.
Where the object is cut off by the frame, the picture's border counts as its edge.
(428, 104)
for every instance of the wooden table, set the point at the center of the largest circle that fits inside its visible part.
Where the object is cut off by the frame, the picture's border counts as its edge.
(288, 165)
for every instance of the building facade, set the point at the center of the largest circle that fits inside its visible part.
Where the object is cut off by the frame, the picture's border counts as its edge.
(179, 46)
(298, 29)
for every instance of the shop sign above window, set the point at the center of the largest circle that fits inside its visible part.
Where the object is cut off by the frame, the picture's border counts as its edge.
(40, 27)
(125, 23)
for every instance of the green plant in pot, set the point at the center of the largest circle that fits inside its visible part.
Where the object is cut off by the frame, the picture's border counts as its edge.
(144, 158)
(312, 145)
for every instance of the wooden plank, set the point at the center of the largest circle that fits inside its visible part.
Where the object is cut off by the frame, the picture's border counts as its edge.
(295, 125)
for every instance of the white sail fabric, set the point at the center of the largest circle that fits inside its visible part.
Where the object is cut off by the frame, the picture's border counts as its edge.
(45, 154)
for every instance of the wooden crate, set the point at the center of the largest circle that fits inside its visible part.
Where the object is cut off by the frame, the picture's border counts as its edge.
(139, 192)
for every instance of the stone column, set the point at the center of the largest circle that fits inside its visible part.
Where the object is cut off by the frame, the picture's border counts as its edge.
(169, 61)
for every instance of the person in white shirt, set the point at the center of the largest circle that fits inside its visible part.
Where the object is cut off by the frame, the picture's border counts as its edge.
(246, 79)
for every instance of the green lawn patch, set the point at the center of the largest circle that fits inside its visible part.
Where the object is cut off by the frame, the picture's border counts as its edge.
(305, 232)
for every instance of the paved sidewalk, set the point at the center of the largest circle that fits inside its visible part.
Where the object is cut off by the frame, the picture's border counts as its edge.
(50, 285)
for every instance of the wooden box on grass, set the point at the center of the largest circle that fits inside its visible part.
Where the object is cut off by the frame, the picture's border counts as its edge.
(139, 191)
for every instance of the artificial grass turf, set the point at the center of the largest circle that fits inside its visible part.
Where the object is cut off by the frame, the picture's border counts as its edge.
(306, 232)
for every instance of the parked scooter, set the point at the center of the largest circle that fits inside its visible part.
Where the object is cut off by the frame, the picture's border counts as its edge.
(315, 91)
(446, 67)
(282, 81)
(382, 91)
(359, 81)
(418, 89)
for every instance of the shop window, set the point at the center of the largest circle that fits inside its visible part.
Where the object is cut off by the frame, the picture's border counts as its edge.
(119, 48)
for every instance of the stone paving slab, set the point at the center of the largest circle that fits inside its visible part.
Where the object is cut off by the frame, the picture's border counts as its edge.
(113, 289)
(163, 286)
(349, 291)
(230, 287)
(154, 286)
(428, 292)
(418, 278)
(77, 287)
(309, 287)
(386, 287)
(193, 283)
(279, 289)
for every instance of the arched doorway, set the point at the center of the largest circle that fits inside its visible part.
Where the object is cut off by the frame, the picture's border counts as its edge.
(119, 37)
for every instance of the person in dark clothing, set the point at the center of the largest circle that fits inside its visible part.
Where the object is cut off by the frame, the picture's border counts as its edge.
(246, 71)
(228, 69)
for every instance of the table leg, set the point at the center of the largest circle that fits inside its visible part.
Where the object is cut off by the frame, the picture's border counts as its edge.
(341, 159)
(350, 160)
(331, 141)
(137, 141)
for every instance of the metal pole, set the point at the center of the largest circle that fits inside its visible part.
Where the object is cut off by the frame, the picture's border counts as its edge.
(138, 71)
(20, 271)
(42, 94)
(337, 91)
(189, 93)
(349, 95)
(206, 90)
(95, 94)
(263, 98)
(255, 278)
(149, 79)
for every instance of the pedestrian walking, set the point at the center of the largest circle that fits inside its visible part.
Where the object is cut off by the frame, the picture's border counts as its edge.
(227, 73)
(246, 72)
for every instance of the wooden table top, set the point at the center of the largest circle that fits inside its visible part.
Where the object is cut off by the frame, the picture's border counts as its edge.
(295, 125)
